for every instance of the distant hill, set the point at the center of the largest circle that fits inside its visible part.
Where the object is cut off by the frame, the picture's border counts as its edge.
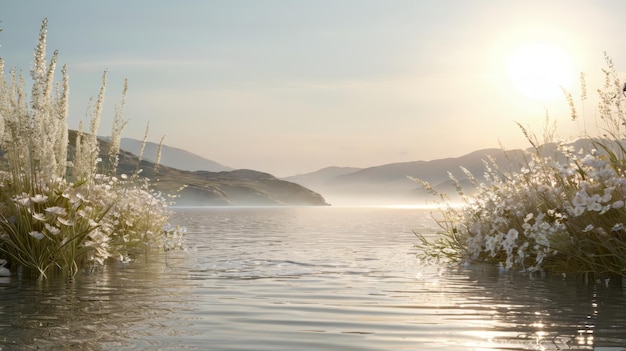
(204, 188)
(322, 177)
(389, 183)
(173, 157)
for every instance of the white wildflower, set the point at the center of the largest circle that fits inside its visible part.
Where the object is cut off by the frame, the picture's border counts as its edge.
(580, 199)
(65, 222)
(490, 245)
(597, 207)
(605, 209)
(578, 211)
(24, 201)
(39, 199)
(52, 229)
(39, 217)
(593, 203)
(618, 204)
(56, 210)
(512, 234)
(37, 235)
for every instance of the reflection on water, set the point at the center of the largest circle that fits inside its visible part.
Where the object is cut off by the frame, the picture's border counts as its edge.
(128, 306)
(308, 279)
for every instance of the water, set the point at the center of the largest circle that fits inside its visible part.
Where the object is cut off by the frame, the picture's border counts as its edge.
(327, 278)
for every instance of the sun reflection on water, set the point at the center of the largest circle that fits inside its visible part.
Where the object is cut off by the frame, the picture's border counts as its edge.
(507, 310)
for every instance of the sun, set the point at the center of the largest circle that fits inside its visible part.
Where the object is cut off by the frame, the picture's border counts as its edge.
(540, 70)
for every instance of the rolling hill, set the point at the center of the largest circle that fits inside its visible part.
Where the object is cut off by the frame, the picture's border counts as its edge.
(390, 184)
(205, 188)
(173, 157)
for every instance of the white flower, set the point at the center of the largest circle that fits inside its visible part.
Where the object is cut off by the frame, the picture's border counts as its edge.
(56, 210)
(36, 235)
(52, 229)
(512, 234)
(39, 217)
(490, 245)
(593, 199)
(617, 227)
(39, 199)
(618, 204)
(605, 209)
(64, 221)
(24, 201)
(580, 199)
(588, 228)
(596, 206)
(578, 210)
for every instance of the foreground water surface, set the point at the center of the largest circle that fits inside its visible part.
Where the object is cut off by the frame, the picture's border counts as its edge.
(327, 278)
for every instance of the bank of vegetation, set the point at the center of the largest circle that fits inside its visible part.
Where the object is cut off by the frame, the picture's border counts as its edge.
(64, 207)
(558, 208)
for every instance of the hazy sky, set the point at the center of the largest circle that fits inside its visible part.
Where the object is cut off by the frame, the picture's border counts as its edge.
(287, 86)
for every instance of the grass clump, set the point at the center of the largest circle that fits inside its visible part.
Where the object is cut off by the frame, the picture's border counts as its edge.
(558, 207)
(62, 208)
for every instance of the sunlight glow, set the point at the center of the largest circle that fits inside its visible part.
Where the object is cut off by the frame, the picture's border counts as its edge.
(539, 70)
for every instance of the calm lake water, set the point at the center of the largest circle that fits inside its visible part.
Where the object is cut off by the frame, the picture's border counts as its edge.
(327, 278)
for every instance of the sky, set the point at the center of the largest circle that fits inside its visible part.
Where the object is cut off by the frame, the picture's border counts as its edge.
(289, 87)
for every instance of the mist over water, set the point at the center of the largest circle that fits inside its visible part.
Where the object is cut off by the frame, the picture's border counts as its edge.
(308, 278)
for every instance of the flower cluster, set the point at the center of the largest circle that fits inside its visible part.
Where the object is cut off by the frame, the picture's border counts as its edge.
(563, 210)
(543, 213)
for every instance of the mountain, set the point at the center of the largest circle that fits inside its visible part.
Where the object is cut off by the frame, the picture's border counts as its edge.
(239, 187)
(321, 177)
(205, 188)
(389, 184)
(173, 157)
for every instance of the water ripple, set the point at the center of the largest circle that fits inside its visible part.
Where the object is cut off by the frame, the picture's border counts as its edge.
(307, 279)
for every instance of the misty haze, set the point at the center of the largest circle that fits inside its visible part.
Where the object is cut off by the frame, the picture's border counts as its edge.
(275, 175)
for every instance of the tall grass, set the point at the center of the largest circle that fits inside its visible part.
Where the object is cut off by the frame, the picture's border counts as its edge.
(561, 211)
(60, 211)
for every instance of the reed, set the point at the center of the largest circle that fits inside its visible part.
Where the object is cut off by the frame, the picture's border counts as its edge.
(61, 212)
